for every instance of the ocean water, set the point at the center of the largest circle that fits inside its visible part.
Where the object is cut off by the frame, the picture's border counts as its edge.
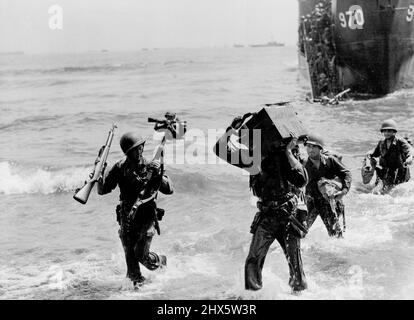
(55, 113)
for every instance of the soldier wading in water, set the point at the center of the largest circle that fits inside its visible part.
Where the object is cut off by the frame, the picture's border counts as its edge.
(280, 172)
(395, 156)
(137, 228)
(323, 168)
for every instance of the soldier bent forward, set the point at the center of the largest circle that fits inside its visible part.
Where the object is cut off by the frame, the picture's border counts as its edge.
(279, 170)
(320, 166)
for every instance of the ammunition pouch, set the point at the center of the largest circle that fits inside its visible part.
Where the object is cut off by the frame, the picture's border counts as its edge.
(285, 205)
(160, 213)
(287, 210)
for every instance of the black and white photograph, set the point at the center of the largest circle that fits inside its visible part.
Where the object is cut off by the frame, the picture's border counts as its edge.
(194, 150)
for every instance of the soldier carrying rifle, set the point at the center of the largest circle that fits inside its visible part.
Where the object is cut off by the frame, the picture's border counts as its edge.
(139, 181)
(136, 228)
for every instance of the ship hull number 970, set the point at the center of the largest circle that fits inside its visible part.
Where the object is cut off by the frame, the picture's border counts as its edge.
(353, 18)
(410, 14)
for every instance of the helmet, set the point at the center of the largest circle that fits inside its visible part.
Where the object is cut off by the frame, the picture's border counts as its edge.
(170, 115)
(130, 140)
(389, 124)
(315, 140)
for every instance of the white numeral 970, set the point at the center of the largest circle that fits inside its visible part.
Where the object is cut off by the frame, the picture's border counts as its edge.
(355, 18)
(410, 15)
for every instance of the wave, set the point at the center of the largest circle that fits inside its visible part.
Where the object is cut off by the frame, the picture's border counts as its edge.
(193, 182)
(22, 122)
(177, 62)
(55, 83)
(20, 179)
(90, 69)
(49, 121)
(77, 69)
(17, 179)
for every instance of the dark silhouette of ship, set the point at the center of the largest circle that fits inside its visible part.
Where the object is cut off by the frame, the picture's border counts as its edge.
(269, 44)
(364, 45)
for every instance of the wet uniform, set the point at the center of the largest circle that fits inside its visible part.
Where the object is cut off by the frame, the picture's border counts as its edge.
(136, 235)
(392, 161)
(329, 168)
(274, 187)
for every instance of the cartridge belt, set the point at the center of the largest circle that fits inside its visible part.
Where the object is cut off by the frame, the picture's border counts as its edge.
(286, 203)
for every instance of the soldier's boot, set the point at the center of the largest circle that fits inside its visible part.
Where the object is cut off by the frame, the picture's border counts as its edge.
(163, 262)
(296, 292)
(252, 276)
(154, 261)
(138, 282)
(253, 286)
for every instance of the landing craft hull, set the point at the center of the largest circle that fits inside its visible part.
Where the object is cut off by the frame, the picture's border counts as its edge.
(374, 44)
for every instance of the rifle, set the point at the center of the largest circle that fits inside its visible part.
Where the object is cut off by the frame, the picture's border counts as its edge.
(339, 95)
(173, 127)
(295, 222)
(326, 100)
(150, 191)
(82, 194)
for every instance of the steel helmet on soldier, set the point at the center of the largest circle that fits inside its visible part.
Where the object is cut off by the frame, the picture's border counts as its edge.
(389, 125)
(170, 115)
(315, 140)
(130, 140)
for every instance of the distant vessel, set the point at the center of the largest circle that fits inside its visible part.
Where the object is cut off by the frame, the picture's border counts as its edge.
(269, 44)
(238, 46)
(366, 45)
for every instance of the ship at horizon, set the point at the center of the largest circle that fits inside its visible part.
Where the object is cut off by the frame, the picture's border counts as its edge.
(364, 45)
(269, 44)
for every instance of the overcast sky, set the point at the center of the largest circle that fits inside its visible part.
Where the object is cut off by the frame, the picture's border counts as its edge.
(120, 25)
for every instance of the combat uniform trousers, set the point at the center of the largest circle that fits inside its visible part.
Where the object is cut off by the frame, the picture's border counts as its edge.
(136, 240)
(269, 228)
(331, 221)
(393, 176)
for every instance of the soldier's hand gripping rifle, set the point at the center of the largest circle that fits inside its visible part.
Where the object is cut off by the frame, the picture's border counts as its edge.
(82, 194)
(294, 221)
(150, 192)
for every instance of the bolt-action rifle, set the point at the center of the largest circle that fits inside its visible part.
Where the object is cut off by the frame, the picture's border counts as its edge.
(335, 100)
(82, 194)
(153, 185)
(339, 95)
